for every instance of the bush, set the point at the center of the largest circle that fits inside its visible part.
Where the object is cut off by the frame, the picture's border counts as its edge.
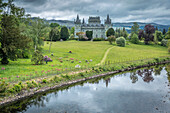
(121, 41)
(37, 58)
(44, 81)
(98, 39)
(134, 39)
(3, 88)
(111, 39)
(164, 42)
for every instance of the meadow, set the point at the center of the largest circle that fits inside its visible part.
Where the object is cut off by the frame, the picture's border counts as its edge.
(85, 54)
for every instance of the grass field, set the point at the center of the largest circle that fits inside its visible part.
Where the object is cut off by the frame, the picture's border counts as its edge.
(135, 52)
(81, 51)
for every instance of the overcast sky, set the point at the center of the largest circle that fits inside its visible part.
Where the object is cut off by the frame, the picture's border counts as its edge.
(157, 11)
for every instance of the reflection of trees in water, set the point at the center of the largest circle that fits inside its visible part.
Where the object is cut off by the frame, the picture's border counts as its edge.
(146, 74)
(21, 106)
(133, 77)
(157, 70)
(107, 81)
(167, 68)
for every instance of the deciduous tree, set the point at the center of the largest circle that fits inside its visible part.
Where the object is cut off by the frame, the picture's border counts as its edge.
(110, 32)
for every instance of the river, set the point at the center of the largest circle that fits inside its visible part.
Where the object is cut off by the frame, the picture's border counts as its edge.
(140, 91)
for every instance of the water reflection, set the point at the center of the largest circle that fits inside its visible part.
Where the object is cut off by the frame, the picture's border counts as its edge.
(105, 95)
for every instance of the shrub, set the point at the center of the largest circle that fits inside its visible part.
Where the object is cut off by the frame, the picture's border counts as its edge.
(157, 60)
(164, 42)
(134, 39)
(81, 74)
(111, 39)
(3, 88)
(17, 88)
(44, 81)
(37, 58)
(30, 85)
(121, 41)
(98, 39)
(47, 59)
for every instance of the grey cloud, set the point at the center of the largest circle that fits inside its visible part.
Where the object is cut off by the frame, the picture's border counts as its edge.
(119, 10)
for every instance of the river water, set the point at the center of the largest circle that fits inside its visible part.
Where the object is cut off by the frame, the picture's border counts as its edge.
(140, 91)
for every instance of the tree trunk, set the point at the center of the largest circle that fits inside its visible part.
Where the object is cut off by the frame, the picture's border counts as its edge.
(4, 58)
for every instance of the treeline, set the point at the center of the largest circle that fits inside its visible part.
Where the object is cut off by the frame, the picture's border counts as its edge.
(22, 36)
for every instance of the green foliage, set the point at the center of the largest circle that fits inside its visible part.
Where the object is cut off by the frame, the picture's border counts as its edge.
(64, 34)
(29, 84)
(38, 30)
(168, 34)
(121, 41)
(134, 39)
(98, 39)
(44, 81)
(121, 33)
(54, 25)
(3, 87)
(158, 35)
(164, 42)
(110, 32)
(135, 28)
(168, 44)
(72, 30)
(37, 58)
(54, 34)
(81, 74)
(11, 39)
(17, 88)
(111, 39)
(89, 34)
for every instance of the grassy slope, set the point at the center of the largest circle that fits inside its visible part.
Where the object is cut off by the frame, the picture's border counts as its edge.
(136, 52)
(81, 52)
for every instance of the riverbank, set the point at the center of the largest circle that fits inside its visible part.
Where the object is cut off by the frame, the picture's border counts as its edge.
(35, 91)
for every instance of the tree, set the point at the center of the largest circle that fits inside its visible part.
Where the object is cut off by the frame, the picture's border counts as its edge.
(64, 34)
(168, 34)
(54, 25)
(141, 34)
(82, 36)
(149, 30)
(111, 39)
(110, 32)
(72, 30)
(135, 28)
(158, 35)
(89, 34)
(164, 31)
(135, 39)
(11, 38)
(38, 30)
(168, 44)
(54, 34)
(156, 29)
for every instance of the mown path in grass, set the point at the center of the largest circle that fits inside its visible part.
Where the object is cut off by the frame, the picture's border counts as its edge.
(105, 56)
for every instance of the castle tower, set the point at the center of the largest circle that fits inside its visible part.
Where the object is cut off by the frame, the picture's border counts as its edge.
(77, 23)
(108, 23)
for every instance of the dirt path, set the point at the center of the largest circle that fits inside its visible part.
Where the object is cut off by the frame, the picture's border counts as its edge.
(105, 56)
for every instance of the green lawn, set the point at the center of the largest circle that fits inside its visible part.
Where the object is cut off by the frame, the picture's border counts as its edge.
(81, 51)
(136, 52)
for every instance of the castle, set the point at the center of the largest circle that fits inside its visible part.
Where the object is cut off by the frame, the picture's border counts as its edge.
(94, 25)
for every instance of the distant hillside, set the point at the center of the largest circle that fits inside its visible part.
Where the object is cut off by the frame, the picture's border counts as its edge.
(141, 25)
(62, 22)
(127, 25)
